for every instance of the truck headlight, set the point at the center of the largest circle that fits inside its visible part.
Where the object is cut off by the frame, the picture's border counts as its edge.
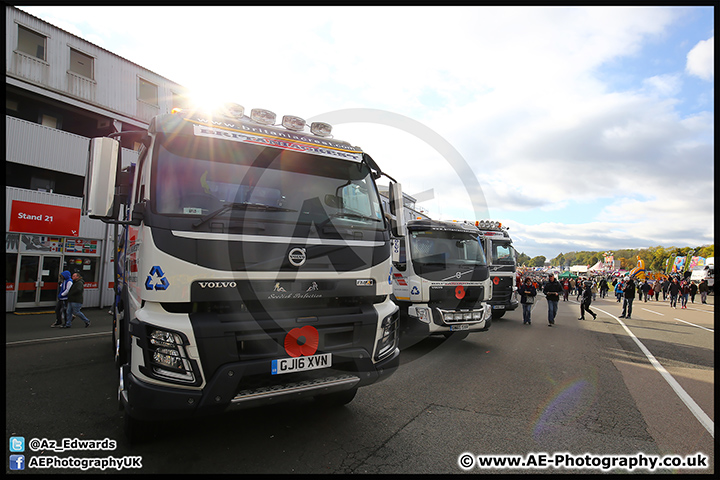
(423, 314)
(168, 356)
(388, 339)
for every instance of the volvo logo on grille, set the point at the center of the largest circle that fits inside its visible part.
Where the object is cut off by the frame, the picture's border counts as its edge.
(297, 256)
(217, 284)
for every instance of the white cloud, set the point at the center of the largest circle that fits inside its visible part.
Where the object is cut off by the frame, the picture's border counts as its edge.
(663, 85)
(701, 60)
(515, 90)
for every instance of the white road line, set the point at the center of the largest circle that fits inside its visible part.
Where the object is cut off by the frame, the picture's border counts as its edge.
(698, 326)
(69, 337)
(694, 408)
(701, 310)
(662, 315)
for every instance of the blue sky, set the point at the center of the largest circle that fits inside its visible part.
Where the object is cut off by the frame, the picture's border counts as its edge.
(585, 128)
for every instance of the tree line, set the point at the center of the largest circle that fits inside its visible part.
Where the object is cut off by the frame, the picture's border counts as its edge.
(654, 257)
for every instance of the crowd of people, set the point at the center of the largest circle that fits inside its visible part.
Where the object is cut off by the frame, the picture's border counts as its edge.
(585, 290)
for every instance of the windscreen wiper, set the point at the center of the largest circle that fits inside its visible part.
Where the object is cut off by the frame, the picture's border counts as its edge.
(243, 206)
(356, 216)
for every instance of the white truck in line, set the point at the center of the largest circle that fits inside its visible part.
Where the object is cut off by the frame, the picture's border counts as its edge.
(440, 280)
(253, 264)
(502, 262)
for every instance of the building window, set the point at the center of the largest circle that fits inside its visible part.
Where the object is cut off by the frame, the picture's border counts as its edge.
(147, 92)
(25, 176)
(31, 43)
(49, 121)
(42, 183)
(81, 64)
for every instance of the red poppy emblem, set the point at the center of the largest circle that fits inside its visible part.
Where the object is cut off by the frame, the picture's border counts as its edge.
(459, 292)
(302, 341)
(496, 280)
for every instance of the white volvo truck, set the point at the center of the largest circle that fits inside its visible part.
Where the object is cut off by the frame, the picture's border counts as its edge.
(441, 280)
(502, 262)
(253, 264)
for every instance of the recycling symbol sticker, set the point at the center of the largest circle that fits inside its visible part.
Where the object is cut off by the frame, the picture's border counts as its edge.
(156, 279)
(415, 291)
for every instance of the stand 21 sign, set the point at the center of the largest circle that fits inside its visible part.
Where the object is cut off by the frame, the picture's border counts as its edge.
(27, 217)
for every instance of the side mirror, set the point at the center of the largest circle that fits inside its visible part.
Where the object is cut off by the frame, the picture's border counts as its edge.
(100, 178)
(138, 214)
(397, 210)
(334, 201)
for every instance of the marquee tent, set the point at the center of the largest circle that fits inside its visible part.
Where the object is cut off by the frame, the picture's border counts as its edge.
(598, 267)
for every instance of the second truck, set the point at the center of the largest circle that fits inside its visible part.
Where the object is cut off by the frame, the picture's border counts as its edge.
(441, 280)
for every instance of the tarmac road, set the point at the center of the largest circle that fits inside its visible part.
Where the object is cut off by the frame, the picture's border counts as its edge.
(577, 388)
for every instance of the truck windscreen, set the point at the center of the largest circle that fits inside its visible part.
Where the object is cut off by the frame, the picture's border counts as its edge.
(502, 253)
(445, 247)
(210, 178)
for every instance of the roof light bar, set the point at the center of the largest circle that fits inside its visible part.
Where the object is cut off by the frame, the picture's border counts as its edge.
(321, 129)
(262, 116)
(489, 224)
(293, 123)
(234, 110)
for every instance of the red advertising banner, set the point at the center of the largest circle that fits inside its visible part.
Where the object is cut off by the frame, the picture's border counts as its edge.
(44, 219)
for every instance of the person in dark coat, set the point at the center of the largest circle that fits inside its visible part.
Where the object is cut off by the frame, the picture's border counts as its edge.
(585, 302)
(693, 291)
(646, 289)
(703, 288)
(628, 297)
(552, 292)
(684, 292)
(674, 291)
(75, 301)
(527, 299)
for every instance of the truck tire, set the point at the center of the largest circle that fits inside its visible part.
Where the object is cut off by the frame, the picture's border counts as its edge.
(337, 399)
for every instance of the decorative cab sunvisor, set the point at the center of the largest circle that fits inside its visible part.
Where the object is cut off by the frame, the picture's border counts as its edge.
(287, 140)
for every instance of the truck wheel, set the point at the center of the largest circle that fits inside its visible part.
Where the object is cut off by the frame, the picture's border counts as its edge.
(337, 399)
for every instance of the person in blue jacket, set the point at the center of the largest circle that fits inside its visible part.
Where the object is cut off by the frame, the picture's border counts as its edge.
(61, 306)
(619, 291)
